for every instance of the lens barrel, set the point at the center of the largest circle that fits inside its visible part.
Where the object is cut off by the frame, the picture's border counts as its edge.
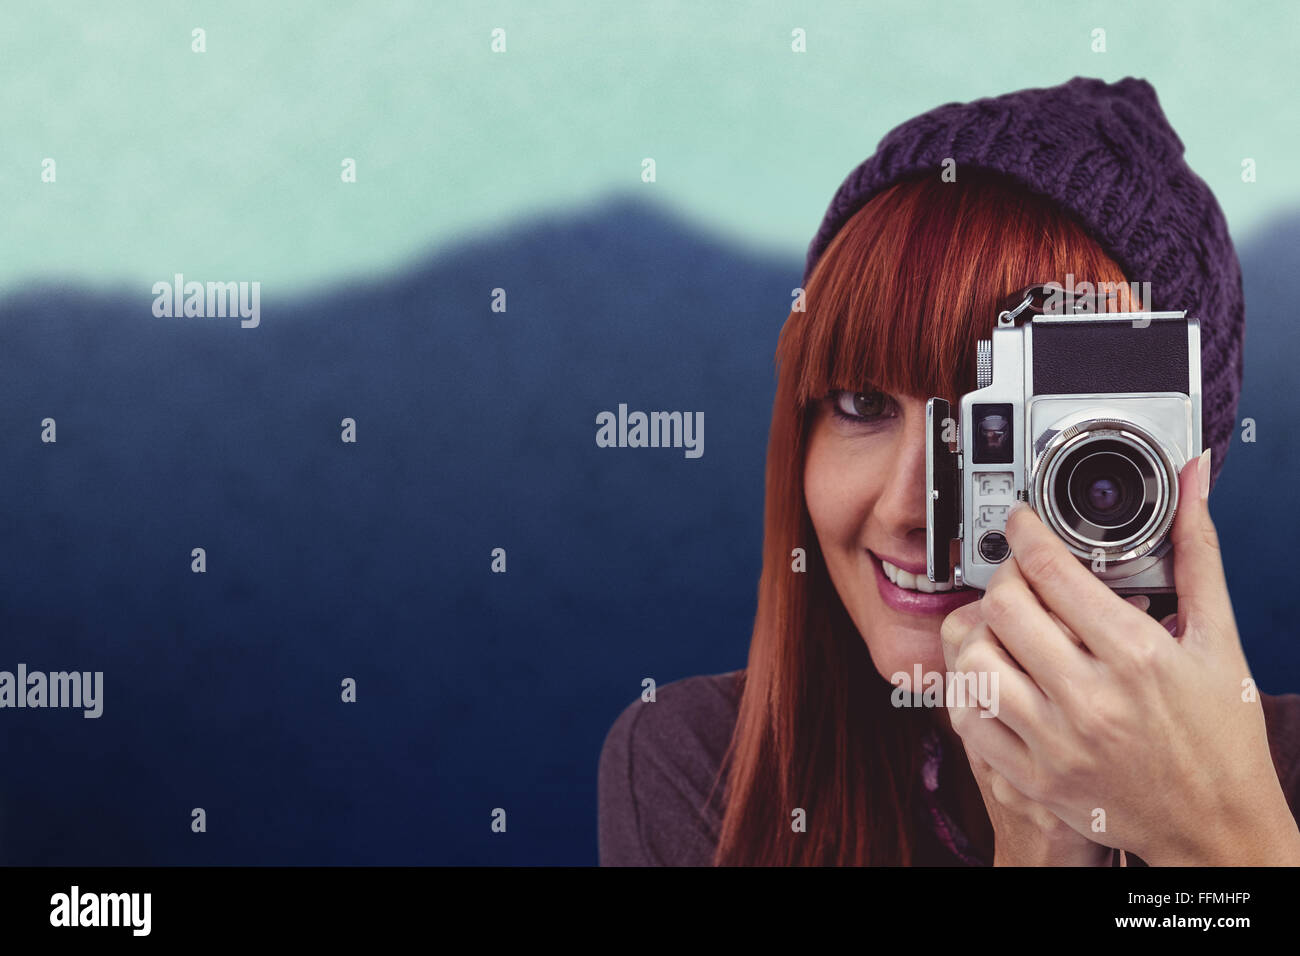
(1107, 488)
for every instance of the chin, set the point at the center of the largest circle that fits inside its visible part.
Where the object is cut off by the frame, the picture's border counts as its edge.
(903, 649)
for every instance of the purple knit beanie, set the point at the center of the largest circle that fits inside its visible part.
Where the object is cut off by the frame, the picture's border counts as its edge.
(1105, 152)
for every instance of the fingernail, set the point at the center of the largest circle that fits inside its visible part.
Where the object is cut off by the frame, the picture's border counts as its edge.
(1016, 505)
(1144, 606)
(1170, 624)
(1203, 473)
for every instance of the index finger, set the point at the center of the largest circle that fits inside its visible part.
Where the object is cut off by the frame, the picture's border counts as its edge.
(1081, 600)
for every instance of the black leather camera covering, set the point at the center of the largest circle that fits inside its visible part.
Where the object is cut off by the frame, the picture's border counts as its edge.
(1106, 356)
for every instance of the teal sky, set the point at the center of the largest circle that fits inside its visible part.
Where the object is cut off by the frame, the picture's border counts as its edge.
(225, 164)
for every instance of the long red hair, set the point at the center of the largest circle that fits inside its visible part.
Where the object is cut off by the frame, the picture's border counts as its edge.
(896, 303)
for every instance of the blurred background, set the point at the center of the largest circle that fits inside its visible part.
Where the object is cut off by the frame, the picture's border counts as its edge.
(475, 170)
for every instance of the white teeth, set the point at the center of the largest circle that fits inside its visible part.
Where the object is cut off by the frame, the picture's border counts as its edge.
(913, 582)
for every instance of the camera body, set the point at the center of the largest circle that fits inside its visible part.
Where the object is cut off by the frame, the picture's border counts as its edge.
(1087, 416)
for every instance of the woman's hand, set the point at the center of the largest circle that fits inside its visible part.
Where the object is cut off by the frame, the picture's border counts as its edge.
(1025, 833)
(1133, 738)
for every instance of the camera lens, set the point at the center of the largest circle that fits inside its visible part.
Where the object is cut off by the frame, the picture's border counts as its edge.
(1106, 487)
(1103, 494)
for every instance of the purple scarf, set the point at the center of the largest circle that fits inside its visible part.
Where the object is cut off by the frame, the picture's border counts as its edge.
(945, 829)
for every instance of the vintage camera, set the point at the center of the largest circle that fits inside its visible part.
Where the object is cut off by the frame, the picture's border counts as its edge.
(1086, 415)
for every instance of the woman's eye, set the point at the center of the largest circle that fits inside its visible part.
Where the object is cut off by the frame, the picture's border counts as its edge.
(860, 406)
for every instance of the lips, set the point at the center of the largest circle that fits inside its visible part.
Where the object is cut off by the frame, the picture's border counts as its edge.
(911, 601)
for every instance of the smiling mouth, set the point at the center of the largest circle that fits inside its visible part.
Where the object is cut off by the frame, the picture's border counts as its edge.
(913, 582)
(913, 593)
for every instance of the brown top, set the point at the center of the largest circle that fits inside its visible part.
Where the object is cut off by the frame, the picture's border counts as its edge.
(659, 760)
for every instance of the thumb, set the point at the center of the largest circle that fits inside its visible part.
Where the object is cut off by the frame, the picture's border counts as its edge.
(1198, 564)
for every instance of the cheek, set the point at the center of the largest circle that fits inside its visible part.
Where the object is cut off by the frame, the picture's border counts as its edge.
(838, 494)
(842, 482)
(824, 494)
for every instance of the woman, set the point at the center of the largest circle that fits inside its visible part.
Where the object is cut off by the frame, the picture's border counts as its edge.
(803, 758)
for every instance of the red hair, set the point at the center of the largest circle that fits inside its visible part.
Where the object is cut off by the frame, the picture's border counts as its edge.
(896, 303)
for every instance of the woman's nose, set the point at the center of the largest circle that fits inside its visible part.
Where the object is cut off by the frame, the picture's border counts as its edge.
(903, 501)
